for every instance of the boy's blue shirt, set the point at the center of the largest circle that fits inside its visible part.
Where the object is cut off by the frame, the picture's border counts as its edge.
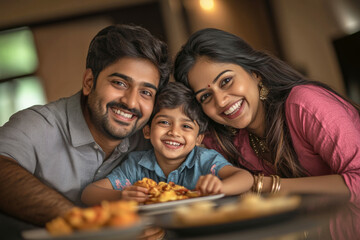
(140, 164)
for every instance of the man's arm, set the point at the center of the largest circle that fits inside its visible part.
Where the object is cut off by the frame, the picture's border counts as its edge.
(24, 196)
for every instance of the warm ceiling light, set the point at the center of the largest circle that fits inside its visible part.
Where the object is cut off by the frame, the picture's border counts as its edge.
(207, 4)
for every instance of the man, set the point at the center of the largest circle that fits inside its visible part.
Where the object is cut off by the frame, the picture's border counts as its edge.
(49, 153)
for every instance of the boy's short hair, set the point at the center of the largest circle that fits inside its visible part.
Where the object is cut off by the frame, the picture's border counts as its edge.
(176, 94)
(117, 41)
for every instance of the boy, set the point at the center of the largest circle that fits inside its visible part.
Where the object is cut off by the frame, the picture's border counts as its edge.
(175, 129)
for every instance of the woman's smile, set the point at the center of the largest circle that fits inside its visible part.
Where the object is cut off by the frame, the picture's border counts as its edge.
(234, 110)
(233, 96)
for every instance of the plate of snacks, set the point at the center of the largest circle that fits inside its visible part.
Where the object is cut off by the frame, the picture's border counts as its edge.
(109, 220)
(164, 196)
(201, 218)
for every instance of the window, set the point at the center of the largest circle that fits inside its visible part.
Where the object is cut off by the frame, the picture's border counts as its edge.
(19, 87)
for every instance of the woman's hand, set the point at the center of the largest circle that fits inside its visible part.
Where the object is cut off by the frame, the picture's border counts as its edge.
(135, 193)
(209, 184)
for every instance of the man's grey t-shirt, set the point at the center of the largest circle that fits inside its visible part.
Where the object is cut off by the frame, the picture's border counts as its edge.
(54, 143)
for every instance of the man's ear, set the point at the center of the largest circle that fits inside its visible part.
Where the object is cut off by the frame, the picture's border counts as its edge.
(199, 139)
(88, 81)
(146, 131)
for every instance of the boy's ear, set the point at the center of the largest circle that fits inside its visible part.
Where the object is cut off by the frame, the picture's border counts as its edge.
(146, 131)
(88, 81)
(199, 139)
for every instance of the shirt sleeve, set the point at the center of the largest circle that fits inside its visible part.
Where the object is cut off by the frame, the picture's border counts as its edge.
(21, 137)
(124, 175)
(212, 161)
(332, 128)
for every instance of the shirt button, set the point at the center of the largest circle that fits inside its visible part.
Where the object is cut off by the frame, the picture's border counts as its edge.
(96, 147)
(99, 171)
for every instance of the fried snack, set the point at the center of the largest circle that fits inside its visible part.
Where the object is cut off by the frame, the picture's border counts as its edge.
(59, 226)
(248, 206)
(123, 215)
(165, 192)
(108, 214)
(146, 183)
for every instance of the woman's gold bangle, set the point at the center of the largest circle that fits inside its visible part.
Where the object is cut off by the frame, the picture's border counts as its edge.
(276, 184)
(273, 183)
(258, 183)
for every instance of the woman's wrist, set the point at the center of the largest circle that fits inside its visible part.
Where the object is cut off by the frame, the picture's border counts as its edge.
(262, 184)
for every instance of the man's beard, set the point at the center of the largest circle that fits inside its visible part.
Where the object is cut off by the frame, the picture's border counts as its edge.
(112, 132)
(103, 124)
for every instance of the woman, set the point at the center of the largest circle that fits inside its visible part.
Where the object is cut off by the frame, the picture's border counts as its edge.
(295, 135)
(270, 119)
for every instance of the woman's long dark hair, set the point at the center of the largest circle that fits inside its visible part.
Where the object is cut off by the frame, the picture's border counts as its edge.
(277, 76)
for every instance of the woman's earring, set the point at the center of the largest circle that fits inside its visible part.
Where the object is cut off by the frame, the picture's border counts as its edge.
(263, 91)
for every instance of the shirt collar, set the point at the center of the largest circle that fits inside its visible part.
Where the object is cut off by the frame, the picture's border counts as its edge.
(190, 160)
(148, 161)
(124, 145)
(79, 131)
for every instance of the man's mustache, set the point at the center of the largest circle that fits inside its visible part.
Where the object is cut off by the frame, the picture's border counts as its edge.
(123, 106)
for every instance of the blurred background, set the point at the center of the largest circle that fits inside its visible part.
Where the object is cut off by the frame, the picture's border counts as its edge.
(43, 43)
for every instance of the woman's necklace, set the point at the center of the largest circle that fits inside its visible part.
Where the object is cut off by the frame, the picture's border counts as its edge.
(257, 144)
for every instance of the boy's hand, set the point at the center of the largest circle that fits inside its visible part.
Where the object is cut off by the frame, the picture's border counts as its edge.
(135, 193)
(209, 184)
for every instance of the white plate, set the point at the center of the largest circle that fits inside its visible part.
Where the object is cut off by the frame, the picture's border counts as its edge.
(104, 234)
(169, 206)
